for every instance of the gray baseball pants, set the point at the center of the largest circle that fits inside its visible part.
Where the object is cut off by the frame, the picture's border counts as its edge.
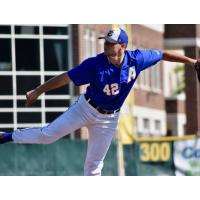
(101, 128)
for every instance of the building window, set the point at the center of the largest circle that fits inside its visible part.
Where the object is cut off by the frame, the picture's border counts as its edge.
(145, 78)
(6, 118)
(86, 43)
(155, 77)
(4, 29)
(21, 103)
(157, 126)
(146, 126)
(49, 30)
(55, 55)
(93, 43)
(6, 84)
(6, 103)
(27, 30)
(5, 55)
(157, 67)
(28, 117)
(89, 43)
(50, 116)
(101, 45)
(29, 56)
(59, 91)
(30, 83)
(58, 103)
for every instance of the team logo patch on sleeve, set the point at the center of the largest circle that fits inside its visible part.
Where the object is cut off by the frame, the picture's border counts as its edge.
(131, 74)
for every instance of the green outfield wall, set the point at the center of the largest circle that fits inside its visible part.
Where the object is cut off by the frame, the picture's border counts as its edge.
(63, 158)
(145, 157)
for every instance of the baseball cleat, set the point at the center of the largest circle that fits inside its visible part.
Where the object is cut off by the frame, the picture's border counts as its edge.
(5, 137)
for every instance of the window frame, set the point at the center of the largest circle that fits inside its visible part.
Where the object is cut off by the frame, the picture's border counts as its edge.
(14, 97)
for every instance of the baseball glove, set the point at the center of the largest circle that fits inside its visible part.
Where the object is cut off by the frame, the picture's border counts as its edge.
(197, 68)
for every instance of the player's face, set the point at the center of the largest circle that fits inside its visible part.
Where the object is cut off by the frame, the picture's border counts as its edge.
(114, 52)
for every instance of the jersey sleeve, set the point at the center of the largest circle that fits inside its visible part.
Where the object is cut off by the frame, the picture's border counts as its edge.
(147, 58)
(83, 73)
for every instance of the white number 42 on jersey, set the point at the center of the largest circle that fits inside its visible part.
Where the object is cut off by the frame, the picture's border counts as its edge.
(112, 89)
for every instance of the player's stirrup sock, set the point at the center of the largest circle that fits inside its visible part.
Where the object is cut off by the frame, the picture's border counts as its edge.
(6, 137)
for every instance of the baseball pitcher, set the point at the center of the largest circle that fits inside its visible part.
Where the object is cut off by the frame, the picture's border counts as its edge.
(110, 76)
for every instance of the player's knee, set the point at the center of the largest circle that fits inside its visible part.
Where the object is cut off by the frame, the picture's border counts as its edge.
(48, 140)
(93, 168)
(48, 136)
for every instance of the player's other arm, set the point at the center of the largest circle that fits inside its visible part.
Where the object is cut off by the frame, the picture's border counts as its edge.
(175, 57)
(53, 83)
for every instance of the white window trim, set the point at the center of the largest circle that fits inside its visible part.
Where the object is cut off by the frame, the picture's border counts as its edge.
(42, 73)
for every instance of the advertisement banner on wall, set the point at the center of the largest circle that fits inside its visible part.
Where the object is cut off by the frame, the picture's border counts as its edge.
(187, 157)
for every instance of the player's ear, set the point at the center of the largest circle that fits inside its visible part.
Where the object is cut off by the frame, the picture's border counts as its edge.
(124, 46)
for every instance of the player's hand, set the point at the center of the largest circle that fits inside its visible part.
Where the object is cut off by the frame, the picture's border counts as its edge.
(31, 97)
(197, 68)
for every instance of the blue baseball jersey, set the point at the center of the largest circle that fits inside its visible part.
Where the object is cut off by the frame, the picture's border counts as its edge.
(109, 85)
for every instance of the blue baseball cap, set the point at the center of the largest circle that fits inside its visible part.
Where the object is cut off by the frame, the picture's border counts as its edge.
(116, 36)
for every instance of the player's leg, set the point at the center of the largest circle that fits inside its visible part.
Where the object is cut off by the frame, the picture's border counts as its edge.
(68, 122)
(100, 137)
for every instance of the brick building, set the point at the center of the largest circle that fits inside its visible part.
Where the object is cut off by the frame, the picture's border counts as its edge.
(149, 111)
(35, 53)
(186, 37)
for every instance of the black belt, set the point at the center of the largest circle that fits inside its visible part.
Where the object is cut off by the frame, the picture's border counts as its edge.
(101, 110)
